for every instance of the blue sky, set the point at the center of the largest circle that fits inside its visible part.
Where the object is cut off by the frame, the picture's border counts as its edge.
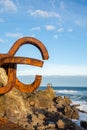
(60, 24)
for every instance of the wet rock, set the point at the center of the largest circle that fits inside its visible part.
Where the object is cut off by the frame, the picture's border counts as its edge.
(83, 124)
(50, 127)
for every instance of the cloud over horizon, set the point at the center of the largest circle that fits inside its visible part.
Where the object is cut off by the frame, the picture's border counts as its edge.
(54, 69)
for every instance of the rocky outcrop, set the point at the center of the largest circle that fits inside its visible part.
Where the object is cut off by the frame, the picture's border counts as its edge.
(63, 106)
(40, 110)
(42, 99)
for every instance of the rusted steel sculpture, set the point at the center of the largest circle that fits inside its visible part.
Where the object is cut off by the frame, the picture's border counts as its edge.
(9, 62)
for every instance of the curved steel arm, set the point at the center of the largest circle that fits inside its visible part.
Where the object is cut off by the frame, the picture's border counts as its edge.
(29, 40)
(9, 62)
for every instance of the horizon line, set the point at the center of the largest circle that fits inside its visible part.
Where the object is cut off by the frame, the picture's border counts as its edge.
(50, 75)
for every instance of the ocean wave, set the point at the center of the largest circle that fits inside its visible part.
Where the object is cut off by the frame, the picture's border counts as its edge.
(83, 105)
(66, 91)
(75, 97)
(71, 92)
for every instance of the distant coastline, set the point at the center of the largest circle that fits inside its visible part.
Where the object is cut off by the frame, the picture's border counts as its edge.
(74, 81)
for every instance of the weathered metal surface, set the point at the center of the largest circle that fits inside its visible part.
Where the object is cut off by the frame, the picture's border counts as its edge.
(9, 62)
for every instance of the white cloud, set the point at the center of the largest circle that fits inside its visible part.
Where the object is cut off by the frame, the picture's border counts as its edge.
(50, 27)
(55, 36)
(54, 69)
(70, 30)
(60, 30)
(36, 29)
(7, 5)
(44, 14)
(14, 35)
(1, 20)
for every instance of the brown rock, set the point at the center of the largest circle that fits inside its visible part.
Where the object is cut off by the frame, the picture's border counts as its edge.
(3, 76)
(7, 125)
(42, 127)
(60, 124)
(62, 102)
(75, 114)
(64, 108)
(67, 101)
(57, 99)
(71, 112)
(52, 109)
(67, 124)
(42, 99)
(68, 111)
(14, 107)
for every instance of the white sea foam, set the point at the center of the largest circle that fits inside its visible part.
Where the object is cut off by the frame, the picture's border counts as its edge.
(77, 98)
(82, 116)
(83, 105)
(72, 92)
(66, 91)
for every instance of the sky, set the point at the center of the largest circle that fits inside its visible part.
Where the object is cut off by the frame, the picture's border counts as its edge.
(61, 25)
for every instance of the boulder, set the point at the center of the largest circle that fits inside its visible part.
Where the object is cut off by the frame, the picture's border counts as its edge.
(60, 124)
(66, 124)
(67, 100)
(42, 99)
(62, 101)
(71, 112)
(13, 107)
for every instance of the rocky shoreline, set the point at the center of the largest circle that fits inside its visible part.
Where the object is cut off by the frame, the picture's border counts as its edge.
(41, 110)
